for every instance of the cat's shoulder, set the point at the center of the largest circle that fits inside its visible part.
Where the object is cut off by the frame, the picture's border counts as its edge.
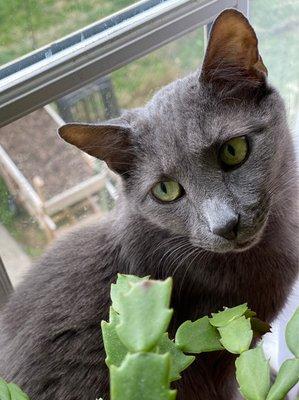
(77, 266)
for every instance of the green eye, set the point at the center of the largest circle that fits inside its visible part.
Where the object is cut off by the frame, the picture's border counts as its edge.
(234, 151)
(167, 191)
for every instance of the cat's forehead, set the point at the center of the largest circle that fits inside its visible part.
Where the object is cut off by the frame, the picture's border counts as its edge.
(184, 118)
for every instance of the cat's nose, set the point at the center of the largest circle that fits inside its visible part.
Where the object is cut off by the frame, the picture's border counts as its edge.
(222, 219)
(226, 227)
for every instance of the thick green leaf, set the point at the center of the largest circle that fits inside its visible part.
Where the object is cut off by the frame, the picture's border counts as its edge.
(222, 318)
(144, 314)
(16, 393)
(292, 334)
(236, 336)
(198, 336)
(10, 391)
(122, 286)
(115, 350)
(178, 360)
(253, 374)
(142, 376)
(287, 377)
(4, 391)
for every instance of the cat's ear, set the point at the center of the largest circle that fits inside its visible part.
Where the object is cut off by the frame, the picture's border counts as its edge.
(232, 59)
(109, 142)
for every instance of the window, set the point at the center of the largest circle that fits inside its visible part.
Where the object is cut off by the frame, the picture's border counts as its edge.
(278, 33)
(29, 25)
(95, 51)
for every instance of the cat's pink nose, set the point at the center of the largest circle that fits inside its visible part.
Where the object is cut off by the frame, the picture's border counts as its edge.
(226, 228)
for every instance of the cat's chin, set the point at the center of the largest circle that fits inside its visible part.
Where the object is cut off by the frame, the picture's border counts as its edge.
(240, 247)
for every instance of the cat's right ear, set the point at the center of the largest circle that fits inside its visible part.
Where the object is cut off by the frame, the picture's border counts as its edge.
(109, 142)
(232, 61)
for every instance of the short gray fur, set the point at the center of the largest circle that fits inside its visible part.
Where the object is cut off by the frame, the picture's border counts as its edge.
(50, 342)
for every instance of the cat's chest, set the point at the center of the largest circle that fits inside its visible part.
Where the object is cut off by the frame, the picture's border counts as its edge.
(260, 279)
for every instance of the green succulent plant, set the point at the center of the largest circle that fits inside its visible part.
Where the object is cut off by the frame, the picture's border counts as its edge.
(143, 360)
(138, 346)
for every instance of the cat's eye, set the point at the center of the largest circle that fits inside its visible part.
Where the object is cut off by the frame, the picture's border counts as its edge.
(234, 152)
(167, 191)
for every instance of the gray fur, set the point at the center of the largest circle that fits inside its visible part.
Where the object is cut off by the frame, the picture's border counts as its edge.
(50, 342)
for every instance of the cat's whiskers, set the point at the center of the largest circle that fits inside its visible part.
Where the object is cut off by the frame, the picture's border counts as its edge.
(168, 241)
(171, 252)
(180, 262)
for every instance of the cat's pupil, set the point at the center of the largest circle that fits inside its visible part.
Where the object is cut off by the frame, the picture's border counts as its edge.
(231, 150)
(163, 187)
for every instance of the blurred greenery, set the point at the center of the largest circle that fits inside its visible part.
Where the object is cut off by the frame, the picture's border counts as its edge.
(137, 82)
(29, 24)
(6, 213)
(277, 27)
(22, 227)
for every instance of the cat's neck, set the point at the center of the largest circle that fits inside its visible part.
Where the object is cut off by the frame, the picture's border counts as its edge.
(206, 281)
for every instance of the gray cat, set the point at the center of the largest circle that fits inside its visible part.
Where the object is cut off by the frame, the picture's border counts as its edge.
(208, 196)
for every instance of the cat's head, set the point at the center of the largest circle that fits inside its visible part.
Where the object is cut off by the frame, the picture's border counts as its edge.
(201, 158)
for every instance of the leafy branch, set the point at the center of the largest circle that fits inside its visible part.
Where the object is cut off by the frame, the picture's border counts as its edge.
(143, 360)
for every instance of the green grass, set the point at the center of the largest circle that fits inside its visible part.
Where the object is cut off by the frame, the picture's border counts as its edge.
(6, 213)
(137, 82)
(29, 24)
(21, 226)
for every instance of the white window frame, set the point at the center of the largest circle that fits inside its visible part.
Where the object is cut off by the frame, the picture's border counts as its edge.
(37, 85)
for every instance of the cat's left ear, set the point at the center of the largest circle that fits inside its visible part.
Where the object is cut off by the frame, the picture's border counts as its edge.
(109, 142)
(232, 58)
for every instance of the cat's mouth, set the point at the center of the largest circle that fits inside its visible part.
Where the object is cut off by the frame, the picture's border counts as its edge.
(247, 237)
(234, 246)
(222, 245)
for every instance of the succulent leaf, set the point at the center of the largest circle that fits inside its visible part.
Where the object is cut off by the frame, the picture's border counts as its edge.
(253, 374)
(115, 349)
(178, 360)
(16, 393)
(236, 336)
(292, 334)
(144, 314)
(10, 391)
(198, 336)
(142, 376)
(4, 391)
(122, 286)
(287, 377)
(223, 318)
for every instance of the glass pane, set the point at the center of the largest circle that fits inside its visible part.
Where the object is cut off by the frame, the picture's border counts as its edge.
(68, 186)
(28, 25)
(276, 24)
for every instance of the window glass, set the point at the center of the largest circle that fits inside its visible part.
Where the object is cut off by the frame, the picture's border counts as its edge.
(276, 24)
(28, 25)
(47, 186)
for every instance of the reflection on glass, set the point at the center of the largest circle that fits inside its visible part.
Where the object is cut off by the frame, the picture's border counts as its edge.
(276, 24)
(134, 84)
(28, 25)
(46, 186)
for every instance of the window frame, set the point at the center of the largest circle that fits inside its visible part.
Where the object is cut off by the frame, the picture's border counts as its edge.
(73, 67)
